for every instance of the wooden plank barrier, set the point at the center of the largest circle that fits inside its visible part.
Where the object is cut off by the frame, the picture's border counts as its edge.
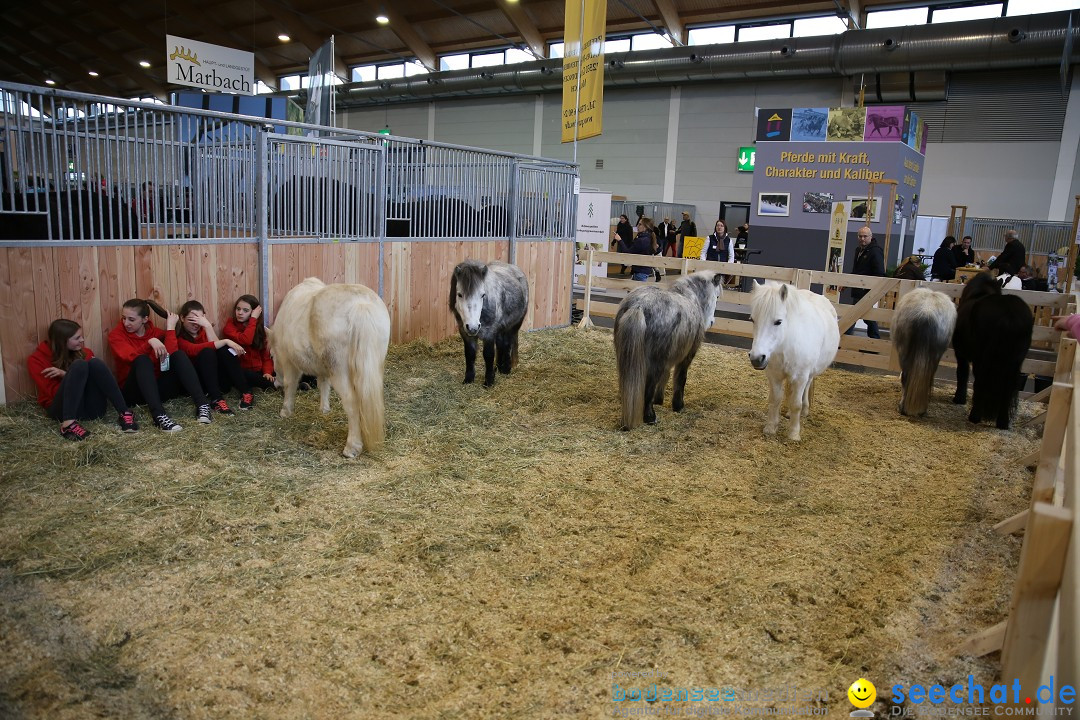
(1032, 641)
(854, 349)
(88, 284)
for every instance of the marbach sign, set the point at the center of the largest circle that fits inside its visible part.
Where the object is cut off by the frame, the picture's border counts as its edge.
(210, 67)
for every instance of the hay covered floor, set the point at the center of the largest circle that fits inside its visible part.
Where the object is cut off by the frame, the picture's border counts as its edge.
(505, 553)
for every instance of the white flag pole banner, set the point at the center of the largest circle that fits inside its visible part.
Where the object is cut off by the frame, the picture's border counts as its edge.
(593, 230)
(321, 87)
(210, 67)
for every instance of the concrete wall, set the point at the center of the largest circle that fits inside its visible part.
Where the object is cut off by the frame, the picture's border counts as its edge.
(646, 158)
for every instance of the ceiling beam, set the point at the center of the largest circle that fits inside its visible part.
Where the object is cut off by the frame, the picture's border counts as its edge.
(58, 26)
(525, 27)
(672, 21)
(296, 27)
(405, 32)
(73, 72)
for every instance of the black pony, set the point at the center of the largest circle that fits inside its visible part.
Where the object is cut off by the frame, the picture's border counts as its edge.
(489, 303)
(993, 333)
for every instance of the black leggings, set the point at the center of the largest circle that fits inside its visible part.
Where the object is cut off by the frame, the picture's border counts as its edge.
(143, 387)
(256, 379)
(84, 390)
(219, 371)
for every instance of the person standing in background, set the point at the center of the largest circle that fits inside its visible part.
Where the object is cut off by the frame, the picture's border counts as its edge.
(869, 260)
(687, 228)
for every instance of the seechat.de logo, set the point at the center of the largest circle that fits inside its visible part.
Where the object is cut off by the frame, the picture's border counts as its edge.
(974, 692)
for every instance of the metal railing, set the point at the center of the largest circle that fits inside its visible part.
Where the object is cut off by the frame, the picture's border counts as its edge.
(97, 170)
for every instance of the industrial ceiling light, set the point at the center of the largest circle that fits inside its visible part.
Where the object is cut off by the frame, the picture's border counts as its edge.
(144, 63)
(382, 19)
(50, 81)
(283, 37)
(92, 73)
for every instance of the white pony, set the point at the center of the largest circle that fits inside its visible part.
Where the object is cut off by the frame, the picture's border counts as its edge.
(795, 339)
(338, 333)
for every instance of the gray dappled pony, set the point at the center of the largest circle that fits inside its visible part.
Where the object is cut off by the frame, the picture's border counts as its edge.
(657, 330)
(489, 303)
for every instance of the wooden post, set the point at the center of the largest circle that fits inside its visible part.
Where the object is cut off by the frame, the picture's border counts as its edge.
(1072, 246)
(586, 321)
(957, 231)
(871, 201)
(1038, 578)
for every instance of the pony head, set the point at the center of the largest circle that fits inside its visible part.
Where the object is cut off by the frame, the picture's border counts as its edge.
(980, 286)
(467, 294)
(768, 312)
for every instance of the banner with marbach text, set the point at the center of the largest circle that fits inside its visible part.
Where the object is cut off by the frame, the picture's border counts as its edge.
(583, 69)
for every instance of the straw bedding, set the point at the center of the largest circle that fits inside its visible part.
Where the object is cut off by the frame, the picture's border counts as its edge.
(505, 552)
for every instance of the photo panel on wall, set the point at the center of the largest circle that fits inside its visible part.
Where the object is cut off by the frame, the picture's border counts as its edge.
(773, 204)
(859, 209)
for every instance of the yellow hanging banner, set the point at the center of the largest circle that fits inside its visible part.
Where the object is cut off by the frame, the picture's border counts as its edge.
(583, 69)
(834, 259)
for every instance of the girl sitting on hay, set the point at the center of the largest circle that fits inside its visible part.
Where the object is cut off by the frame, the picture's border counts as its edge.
(72, 384)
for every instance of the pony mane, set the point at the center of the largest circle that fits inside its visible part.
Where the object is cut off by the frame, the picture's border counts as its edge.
(767, 298)
(469, 276)
(980, 286)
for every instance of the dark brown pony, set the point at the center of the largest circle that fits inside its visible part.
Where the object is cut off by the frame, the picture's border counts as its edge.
(993, 334)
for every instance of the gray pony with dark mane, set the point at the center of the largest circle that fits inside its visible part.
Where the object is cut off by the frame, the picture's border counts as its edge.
(489, 303)
(657, 330)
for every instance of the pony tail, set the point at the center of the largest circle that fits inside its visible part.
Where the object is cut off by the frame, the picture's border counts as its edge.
(158, 310)
(370, 338)
(630, 331)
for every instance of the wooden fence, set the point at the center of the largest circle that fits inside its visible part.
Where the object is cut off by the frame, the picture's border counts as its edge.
(883, 292)
(88, 284)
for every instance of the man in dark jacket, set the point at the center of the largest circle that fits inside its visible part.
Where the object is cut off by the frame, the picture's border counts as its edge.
(869, 260)
(1012, 255)
(687, 228)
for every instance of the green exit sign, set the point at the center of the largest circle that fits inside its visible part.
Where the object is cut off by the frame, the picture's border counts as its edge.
(746, 159)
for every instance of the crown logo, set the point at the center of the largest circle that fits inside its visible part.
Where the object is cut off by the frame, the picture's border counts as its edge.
(184, 54)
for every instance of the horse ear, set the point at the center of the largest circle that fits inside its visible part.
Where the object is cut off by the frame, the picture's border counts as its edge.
(717, 279)
(783, 292)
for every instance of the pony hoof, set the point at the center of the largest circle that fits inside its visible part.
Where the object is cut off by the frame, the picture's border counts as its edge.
(489, 383)
(770, 430)
(796, 437)
(957, 400)
(351, 451)
(467, 381)
(286, 413)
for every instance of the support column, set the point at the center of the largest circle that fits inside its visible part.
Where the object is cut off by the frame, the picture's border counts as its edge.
(1066, 165)
(671, 148)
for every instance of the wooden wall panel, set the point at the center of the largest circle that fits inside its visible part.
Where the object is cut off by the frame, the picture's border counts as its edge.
(89, 285)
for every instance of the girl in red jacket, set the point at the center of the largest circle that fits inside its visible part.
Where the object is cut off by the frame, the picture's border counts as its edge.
(72, 384)
(150, 367)
(217, 361)
(246, 329)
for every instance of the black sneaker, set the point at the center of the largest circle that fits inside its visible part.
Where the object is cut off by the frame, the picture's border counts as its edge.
(127, 422)
(75, 431)
(204, 414)
(166, 424)
(247, 401)
(222, 407)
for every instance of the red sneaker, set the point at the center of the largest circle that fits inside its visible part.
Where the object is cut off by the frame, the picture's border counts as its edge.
(247, 401)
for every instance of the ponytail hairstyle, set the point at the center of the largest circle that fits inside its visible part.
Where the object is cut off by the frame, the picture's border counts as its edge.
(143, 307)
(181, 331)
(60, 331)
(259, 342)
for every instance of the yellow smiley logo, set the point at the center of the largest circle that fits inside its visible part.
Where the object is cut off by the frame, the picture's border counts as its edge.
(862, 693)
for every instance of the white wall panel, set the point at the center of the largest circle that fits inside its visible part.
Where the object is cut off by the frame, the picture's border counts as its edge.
(1007, 180)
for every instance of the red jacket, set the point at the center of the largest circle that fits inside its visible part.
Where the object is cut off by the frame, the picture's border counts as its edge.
(128, 346)
(256, 359)
(41, 359)
(193, 347)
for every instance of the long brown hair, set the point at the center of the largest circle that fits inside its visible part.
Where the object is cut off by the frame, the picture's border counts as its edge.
(651, 227)
(145, 306)
(181, 330)
(60, 331)
(259, 341)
